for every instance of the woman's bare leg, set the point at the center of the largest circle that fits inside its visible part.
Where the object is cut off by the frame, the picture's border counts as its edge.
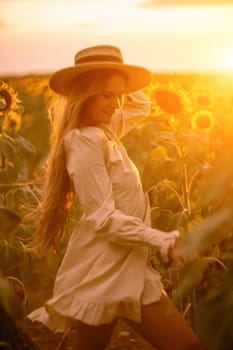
(164, 327)
(87, 337)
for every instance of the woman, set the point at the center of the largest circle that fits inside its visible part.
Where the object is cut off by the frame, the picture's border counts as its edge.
(105, 273)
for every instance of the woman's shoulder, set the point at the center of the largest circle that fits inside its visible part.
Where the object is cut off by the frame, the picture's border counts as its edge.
(88, 134)
(93, 132)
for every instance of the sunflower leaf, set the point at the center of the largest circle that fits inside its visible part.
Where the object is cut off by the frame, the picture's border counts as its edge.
(8, 220)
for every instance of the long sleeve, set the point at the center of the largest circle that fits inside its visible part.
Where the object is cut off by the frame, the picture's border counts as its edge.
(136, 107)
(86, 165)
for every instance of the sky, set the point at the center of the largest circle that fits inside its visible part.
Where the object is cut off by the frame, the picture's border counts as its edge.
(41, 36)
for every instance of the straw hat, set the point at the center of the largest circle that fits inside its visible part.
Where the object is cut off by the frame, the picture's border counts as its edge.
(95, 58)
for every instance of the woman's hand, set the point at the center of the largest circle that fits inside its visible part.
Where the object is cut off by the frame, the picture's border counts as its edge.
(179, 255)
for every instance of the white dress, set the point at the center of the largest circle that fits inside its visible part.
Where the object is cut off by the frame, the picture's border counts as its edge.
(105, 272)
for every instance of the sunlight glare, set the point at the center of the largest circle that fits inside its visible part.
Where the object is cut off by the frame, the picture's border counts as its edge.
(63, 16)
(228, 60)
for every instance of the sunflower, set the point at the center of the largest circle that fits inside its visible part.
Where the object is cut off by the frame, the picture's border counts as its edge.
(203, 120)
(203, 97)
(170, 98)
(13, 122)
(8, 98)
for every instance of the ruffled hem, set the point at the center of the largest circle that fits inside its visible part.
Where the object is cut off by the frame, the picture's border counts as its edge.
(52, 316)
(57, 324)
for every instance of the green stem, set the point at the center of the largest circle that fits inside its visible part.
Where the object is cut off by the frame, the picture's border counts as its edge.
(191, 182)
(186, 188)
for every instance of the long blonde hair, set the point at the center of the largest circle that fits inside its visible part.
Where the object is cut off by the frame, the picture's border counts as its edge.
(58, 195)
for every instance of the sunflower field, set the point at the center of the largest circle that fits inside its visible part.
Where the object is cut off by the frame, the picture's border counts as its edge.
(183, 151)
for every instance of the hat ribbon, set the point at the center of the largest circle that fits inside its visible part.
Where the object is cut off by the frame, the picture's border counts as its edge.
(98, 58)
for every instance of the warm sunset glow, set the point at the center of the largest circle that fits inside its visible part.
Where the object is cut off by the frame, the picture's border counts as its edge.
(67, 16)
(228, 60)
(39, 35)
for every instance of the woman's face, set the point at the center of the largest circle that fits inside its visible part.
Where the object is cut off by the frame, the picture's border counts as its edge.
(100, 108)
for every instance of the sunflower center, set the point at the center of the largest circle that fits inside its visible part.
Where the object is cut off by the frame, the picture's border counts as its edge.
(203, 121)
(5, 100)
(169, 101)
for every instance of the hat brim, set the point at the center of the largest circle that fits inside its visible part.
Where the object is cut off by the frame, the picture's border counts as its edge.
(62, 81)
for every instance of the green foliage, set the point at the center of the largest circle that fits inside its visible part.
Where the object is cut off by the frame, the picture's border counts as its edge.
(189, 175)
(13, 297)
(17, 195)
(157, 168)
(214, 318)
(8, 220)
(24, 145)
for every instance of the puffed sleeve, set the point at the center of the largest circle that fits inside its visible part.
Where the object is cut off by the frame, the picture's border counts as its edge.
(85, 157)
(135, 108)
